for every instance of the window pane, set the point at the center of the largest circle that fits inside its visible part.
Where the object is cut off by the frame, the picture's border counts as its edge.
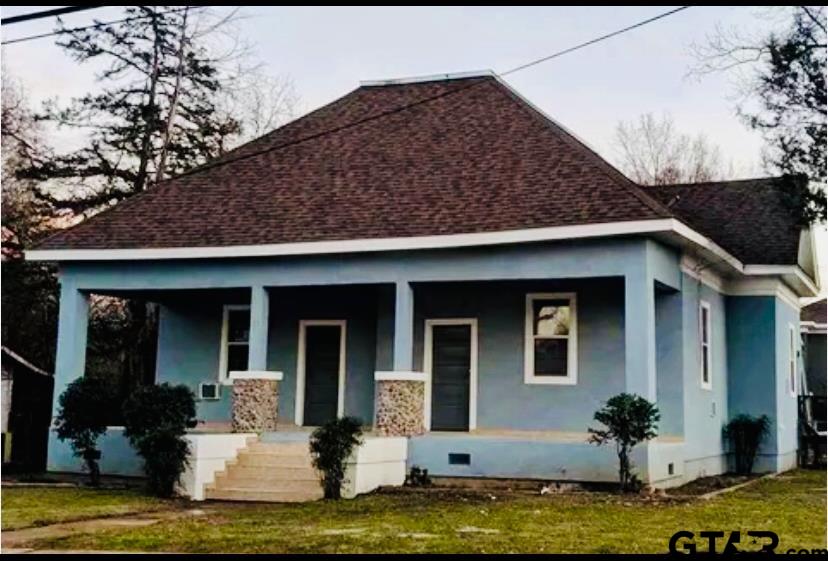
(705, 324)
(705, 363)
(237, 357)
(552, 317)
(238, 326)
(551, 357)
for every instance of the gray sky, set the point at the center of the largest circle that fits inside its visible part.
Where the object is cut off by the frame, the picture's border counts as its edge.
(327, 51)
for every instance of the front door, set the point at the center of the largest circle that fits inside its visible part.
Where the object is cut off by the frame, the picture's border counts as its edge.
(450, 377)
(322, 373)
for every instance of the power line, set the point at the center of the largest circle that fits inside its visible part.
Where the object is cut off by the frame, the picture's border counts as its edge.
(593, 41)
(46, 14)
(85, 27)
(435, 97)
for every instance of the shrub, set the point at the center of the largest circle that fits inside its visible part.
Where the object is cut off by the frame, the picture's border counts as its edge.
(629, 419)
(331, 445)
(156, 418)
(417, 477)
(745, 433)
(82, 418)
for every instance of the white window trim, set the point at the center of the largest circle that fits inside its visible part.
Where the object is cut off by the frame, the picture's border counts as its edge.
(428, 366)
(223, 374)
(705, 305)
(792, 361)
(299, 413)
(529, 376)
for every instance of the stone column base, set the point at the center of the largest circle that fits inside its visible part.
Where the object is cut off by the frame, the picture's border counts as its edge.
(255, 402)
(400, 403)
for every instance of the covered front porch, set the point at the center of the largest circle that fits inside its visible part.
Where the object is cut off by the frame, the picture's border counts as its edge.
(428, 344)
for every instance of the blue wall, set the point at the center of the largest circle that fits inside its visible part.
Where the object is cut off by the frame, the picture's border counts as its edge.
(705, 410)
(117, 456)
(670, 362)
(504, 400)
(758, 340)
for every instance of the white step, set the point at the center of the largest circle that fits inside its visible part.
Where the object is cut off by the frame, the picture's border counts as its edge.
(263, 495)
(271, 473)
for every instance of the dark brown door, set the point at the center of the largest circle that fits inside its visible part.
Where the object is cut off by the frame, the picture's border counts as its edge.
(450, 377)
(322, 355)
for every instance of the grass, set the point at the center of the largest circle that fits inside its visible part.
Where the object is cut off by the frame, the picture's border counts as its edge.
(792, 505)
(25, 507)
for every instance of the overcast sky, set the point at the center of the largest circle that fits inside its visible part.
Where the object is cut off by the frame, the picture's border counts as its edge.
(327, 51)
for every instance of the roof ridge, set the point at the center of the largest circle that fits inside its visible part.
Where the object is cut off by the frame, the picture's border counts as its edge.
(603, 165)
(715, 182)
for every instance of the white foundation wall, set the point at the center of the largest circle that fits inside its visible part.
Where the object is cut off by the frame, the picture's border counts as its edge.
(209, 453)
(379, 461)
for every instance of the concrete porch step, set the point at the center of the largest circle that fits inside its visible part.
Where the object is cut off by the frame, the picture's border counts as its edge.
(232, 482)
(263, 495)
(270, 460)
(279, 448)
(272, 472)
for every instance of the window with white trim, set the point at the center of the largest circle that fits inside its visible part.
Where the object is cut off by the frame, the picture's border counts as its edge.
(705, 346)
(235, 340)
(551, 336)
(792, 360)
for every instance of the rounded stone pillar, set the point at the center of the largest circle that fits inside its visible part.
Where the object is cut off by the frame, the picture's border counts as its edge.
(400, 403)
(255, 400)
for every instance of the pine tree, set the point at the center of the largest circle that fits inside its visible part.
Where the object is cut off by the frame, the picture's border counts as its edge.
(156, 113)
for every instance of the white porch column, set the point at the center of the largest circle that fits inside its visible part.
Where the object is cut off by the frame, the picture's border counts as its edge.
(73, 320)
(404, 327)
(259, 312)
(640, 335)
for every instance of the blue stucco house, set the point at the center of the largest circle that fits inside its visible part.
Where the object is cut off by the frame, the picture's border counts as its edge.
(441, 259)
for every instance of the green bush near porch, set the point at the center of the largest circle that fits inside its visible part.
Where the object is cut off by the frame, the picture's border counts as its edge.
(792, 505)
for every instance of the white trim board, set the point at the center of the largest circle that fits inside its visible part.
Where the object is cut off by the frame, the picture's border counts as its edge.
(299, 409)
(428, 360)
(272, 375)
(704, 305)
(399, 376)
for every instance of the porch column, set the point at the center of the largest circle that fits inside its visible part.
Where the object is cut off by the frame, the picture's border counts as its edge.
(73, 320)
(259, 312)
(255, 403)
(639, 335)
(404, 327)
(400, 393)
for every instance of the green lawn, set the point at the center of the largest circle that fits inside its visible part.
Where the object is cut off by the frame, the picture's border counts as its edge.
(24, 507)
(792, 505)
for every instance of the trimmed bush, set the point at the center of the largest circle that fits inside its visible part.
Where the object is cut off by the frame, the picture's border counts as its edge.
(156, 418)
(629, 419)
(82, 418)
(330, 446)
(745, 433)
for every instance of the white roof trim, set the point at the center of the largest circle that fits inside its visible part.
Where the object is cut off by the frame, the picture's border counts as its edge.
(359, 245)
(25, 362)
(793, 274)
(430, 78)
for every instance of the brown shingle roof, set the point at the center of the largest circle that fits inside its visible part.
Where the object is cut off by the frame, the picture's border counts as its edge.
(428, 158)
(748, 217)
(816, 312)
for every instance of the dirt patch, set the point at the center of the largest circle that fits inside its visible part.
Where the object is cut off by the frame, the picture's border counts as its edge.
(705, 485)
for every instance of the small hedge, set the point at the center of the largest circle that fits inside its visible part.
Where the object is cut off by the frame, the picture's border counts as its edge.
(156, 418)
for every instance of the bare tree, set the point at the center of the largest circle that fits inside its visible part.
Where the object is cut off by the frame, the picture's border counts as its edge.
(652, 152)
(781, 79)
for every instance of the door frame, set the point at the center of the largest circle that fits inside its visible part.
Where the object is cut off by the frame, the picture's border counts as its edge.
(428, 366)
(299, 409)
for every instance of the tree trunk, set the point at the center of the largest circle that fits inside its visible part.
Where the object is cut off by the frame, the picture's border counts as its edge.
(162, 161)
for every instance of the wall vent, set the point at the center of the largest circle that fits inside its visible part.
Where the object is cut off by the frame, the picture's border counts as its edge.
(670, 469)
(456, 459)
